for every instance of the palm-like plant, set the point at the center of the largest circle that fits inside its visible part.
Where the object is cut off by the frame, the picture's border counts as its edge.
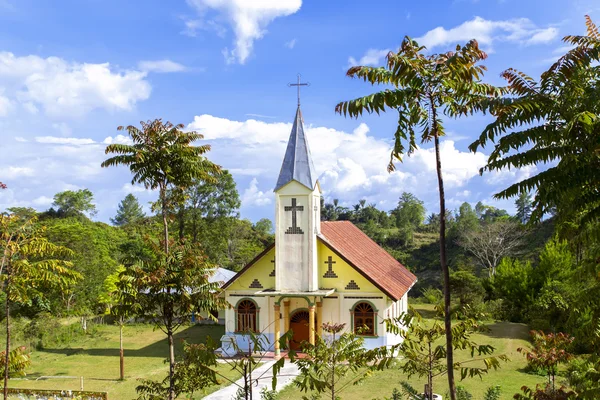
(29, 264)
(422, 88)
(162, 157)
(553, 120)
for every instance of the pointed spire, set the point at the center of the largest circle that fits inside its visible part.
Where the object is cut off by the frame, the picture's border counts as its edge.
(297, 163)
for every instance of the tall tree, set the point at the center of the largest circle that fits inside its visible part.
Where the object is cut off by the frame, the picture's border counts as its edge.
(553, 120)
(492, 242)
(129, 211)
(410, 211)
(162, 157)
(523, 205)
(421, 88)
(169, 288)
(29, 263)
(75, 203)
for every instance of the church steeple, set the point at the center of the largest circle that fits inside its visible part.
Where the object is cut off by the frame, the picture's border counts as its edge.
(297, 162)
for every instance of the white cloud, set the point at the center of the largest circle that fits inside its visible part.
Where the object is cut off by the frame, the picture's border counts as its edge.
(290, 44)
(161, 66)
(248, 20)
(486, 32)
(20, 139)
(120, 139)
(372, 57)
(63, 140)
(129, 188)
(16, 172)
(5, 105)
(252, 196)
(352, 165)
(63, 128)
(43, 201)
(64, 88)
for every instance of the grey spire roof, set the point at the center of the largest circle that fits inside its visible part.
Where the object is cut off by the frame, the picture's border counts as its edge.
(297, 163)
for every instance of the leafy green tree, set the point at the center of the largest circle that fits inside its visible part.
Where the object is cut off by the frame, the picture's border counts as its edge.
(421, 87)
(468, 288)
(523, 205)
(18, 361)
(209, 201)
(29, 261)
(162, 157)
(119, 296)
(334, 363)
(424, 355)
(75, 203)
(466, 220)
(553, 121)
(168, 288)
(410, 211)
(514, 284)
(129, 211)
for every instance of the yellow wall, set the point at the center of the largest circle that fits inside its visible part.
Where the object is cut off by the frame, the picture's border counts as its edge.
(260, 270)
(343, 270)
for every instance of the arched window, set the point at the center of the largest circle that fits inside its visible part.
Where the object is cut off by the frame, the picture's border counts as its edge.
(364, 317)
(246, 311)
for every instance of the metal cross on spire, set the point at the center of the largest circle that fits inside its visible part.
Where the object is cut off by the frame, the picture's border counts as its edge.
(298, 85)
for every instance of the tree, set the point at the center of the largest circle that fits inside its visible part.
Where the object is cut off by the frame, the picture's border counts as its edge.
(424, 355)
(423, 87)
(553, 120)
(467, 287)
(162, 157)
(492, 242)
(168, 288)
(119, 296)
(129, 211)
(75, 203)
(549, 350)
(523, 205)
(410, 212)
(29, 262)
(466, 220)
(335, 358)
(210, 200)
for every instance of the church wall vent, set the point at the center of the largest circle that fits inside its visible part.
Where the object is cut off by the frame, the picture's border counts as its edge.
(256, 284)
(352, 286)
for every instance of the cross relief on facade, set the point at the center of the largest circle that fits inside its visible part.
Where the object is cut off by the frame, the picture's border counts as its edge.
(330, 273)
(294, 229)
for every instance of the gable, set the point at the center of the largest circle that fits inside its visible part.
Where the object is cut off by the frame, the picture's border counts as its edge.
(257, 275)
(342, 277)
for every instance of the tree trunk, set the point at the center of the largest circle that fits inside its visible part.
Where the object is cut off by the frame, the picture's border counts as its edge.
(163, 200)
(444, 263)
(171, 366)
(181, 220)
(121, 355)
(7, 350)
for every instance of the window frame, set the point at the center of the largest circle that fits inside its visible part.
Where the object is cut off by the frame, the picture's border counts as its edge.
(256, 316)
(353, 319)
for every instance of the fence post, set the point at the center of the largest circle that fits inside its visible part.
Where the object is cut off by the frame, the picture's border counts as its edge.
(81, 383)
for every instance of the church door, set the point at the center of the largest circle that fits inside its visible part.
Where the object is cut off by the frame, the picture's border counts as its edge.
(299, 325)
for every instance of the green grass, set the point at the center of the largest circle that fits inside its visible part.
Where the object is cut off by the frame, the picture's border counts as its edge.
(506, 337)
(96, 358)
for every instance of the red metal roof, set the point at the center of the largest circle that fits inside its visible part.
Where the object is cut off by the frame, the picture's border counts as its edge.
(367, 257)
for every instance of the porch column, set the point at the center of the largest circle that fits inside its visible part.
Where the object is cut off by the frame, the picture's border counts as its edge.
(276, 309)
(320, 318)
(311, 324)
(286, 317)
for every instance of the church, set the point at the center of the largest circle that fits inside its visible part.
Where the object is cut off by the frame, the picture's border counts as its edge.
(316, 271)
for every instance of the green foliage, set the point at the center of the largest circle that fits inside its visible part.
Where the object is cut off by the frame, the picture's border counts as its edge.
(514, 284)
(467, 288)
(432, 295)
(548, 351)
(75, 203)
(333, 358)
(553, 120)
(129, 211)
(18, 361)
(410, 212)
(424, 354)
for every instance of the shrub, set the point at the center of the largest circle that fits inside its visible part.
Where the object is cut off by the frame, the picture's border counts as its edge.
(431, 295)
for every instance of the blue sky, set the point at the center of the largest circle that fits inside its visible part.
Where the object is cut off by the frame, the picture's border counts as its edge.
(71, 71)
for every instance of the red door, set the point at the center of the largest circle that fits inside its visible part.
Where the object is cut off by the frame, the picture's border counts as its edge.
(299, 325)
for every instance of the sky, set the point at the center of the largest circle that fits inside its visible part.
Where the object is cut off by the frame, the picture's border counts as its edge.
(72, 71)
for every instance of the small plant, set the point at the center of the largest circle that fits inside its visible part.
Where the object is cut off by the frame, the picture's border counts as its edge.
(335, 358)
(431, 295)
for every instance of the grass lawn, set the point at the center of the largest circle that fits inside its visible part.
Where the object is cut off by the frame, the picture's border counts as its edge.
(506, 337)
(96, 358)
